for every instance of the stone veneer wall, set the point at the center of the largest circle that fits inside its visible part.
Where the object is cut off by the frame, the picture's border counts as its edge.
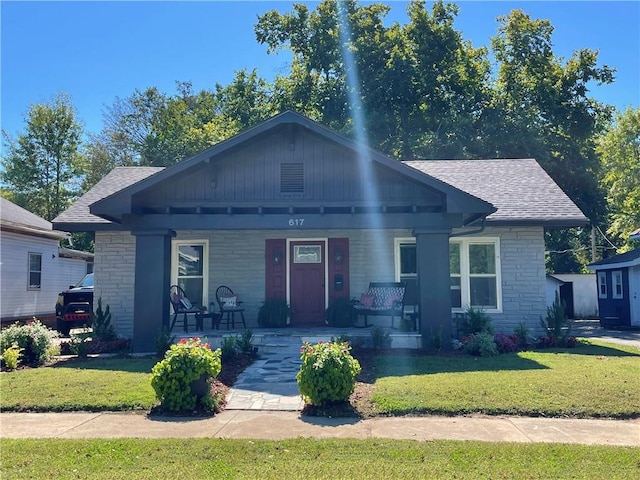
(236, 259)
(114, 272)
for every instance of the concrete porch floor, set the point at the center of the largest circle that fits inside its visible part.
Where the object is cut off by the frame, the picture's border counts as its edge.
(290, 339)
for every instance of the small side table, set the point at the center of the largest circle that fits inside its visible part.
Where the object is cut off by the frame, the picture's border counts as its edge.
(215, 320)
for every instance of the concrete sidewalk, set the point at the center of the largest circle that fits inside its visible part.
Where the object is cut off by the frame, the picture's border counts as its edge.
(284, 425)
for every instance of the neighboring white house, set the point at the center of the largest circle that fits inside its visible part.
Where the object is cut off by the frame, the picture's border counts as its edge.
(33, 267)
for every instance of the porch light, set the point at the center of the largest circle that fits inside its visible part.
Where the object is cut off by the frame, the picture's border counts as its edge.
(337, 256)
(277, 256)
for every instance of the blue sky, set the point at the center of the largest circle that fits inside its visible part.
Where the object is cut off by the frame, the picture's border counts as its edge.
(97, 51)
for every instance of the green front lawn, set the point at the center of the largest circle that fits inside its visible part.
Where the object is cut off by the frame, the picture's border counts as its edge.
(310, 458)
(94, 384)
(597, 380)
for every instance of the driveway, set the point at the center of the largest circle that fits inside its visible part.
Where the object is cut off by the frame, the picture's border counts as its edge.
(592, 329)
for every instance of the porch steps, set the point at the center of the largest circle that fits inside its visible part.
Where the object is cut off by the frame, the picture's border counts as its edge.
(289, 340)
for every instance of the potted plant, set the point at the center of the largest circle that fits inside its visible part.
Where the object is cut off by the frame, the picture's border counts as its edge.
(340, 313)
(274, 312)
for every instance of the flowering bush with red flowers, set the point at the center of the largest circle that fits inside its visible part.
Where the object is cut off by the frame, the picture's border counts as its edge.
(328, 372)
(506, 343)
(185, 363)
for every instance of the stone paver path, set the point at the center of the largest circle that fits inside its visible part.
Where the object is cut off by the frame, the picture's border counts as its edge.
(268, 384)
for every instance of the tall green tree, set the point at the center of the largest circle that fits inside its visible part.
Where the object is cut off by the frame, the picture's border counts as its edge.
(41, 164)
(619, 150)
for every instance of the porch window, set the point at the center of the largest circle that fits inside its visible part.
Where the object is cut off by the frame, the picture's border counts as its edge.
(35, 271)
(616, 284)
(474, 267)
(602, 285)
(190, 267)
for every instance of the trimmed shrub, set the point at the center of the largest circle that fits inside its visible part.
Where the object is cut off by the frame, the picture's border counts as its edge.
(11, 357)
(481, 345)
(101, 324)
(556, 324)
(273, 313)
(380, 338)
(328, 372)
(184, 364)
(35, 339)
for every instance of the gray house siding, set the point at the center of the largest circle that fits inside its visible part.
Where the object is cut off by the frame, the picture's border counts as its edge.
(236, 259)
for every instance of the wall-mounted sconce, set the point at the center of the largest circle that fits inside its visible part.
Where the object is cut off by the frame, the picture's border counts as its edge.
(337, 255)
(277, 256)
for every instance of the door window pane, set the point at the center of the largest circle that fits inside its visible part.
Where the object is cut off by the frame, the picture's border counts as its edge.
(408, 264)
(307, 254)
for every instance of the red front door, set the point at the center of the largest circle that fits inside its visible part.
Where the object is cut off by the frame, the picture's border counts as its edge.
(307, 282)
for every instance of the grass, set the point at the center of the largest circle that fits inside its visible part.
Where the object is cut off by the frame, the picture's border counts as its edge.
(94, 384)
(310, 458)
(591, 380)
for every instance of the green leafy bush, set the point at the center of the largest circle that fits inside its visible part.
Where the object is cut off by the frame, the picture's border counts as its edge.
(184, 364)
(522, 334)
(476, 321)
(273, 313)
(229, 348)
(380, 338)
(481, 344)
(340, 313)
(11, 357)
(35, 339)
(328, 372)
(244, 341)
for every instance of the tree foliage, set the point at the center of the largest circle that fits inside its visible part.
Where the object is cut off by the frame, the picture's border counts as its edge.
(619, 150)
(41, 164)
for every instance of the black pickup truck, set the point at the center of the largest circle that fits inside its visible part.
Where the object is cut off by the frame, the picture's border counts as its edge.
(75, 306)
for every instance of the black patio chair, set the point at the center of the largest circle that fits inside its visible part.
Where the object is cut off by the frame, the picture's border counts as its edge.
(229, 305)
(182, 306)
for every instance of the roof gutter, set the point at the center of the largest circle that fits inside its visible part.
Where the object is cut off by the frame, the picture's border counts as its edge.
(471, 232)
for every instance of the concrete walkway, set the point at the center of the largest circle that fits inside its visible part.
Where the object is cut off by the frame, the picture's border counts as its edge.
(286, 425)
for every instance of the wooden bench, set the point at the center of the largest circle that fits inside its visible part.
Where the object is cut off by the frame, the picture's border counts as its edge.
(383, 299)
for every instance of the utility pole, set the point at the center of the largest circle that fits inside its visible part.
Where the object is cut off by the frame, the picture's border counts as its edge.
(593, 243)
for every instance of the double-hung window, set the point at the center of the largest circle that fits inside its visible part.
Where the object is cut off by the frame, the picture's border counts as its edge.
(602, 285)
(616, 284)
(35, 271)
(474, 266)
(190, 269)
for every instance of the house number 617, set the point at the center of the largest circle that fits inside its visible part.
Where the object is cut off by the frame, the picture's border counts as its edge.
(296, 222)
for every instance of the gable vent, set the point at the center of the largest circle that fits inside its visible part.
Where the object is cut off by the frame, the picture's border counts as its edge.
(291, 178)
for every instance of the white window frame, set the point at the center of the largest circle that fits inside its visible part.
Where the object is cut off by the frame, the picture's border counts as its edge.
(205, 267)
(29, 271)
(616, 281)
(465, 283)
(602, 284)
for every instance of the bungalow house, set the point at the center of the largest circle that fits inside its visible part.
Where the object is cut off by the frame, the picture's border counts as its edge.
(294, 210)
(33, 266)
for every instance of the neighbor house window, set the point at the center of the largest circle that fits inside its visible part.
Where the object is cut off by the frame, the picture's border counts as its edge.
(190, 269)
(616, 284)
(602, 284)
(474, 267)
(35, 271)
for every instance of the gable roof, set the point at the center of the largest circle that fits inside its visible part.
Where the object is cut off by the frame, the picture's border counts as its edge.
(16, 219)
(458, 201)
(520, 189)
(627, 259)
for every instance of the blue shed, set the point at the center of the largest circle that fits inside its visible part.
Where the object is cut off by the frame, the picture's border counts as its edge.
(618, 281)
